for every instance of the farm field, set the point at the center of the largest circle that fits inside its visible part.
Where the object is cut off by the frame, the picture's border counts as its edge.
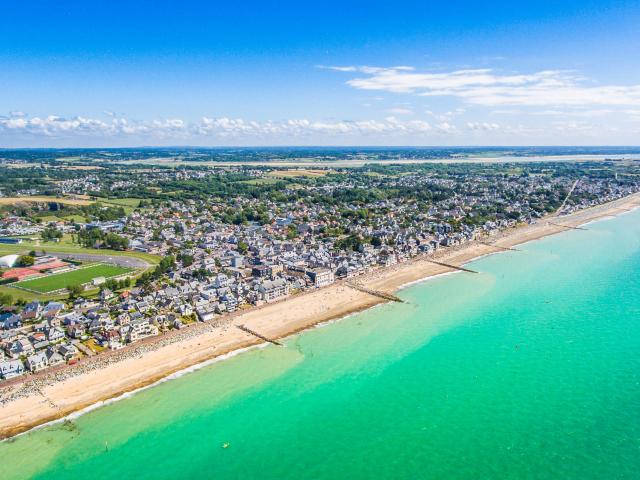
(293, 173)
(43, 199)
(58, 281)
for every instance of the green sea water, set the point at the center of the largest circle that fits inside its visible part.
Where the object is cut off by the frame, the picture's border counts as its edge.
(528, 370)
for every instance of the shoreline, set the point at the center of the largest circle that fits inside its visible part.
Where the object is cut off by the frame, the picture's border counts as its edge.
(54, 397)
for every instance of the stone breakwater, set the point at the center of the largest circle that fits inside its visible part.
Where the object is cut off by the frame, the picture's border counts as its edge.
(33, 385)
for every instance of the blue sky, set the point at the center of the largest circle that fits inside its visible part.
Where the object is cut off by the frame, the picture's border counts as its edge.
(109, 73)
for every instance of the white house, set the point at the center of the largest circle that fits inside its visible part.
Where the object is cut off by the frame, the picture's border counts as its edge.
(11, 368)
(272, 290)
(37, 361)
(321, 277)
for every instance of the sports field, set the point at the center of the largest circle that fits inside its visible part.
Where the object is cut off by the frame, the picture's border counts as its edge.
(58, 281)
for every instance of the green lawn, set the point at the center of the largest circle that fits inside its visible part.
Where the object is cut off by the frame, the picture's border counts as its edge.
(18, 294)
(58, 281)
(67, 246)
(50, 218)
(68, 218)
(125, 202)
(75, 218)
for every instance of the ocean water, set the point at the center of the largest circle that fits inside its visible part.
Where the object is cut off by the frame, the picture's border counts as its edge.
(528, 370)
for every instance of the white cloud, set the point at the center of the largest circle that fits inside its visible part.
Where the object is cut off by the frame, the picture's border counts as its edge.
(55, 126)
(446, 116)
(446, 127)
(338, 69)
(484, 126)
(485, 87)
(450, 127)
(221, 127)
(400, 111)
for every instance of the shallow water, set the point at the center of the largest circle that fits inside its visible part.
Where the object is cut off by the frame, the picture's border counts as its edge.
(530, 369)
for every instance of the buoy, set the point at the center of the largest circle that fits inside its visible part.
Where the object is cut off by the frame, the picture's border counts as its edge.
(225, 445)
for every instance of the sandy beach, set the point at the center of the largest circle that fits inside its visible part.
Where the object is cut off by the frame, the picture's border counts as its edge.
(34, 400)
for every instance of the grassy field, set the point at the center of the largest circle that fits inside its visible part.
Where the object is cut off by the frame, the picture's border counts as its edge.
(129, 204)
(18, 294)
(75, 218)
(125, 202)
(58, 281)
(69, 218)
(293, 173)
(67, 246)
(43, 199)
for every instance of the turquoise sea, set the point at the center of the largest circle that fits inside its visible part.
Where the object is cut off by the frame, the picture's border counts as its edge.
(528, 370)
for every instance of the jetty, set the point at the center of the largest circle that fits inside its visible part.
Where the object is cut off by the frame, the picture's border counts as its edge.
(375, 293)
(454, 267)
(506, 249)
(566, 226)
(259, 335)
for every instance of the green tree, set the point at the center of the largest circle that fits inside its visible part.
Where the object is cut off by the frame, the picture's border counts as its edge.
(51, 234)
(6, 299)
(243, 248)
(185, 259)
(25, 261)
(74, 290)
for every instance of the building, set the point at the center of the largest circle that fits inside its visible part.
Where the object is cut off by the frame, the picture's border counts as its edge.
(261, 271)
(321, 277)
(31, 310)
(11, 368)
(206, 314)
(37, 361)
(272, 290)
(53, 357)
(10, 241)
(141, 329)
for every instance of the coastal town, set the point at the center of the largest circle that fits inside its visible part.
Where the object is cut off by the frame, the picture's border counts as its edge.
(226, 240)
(320, 240)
